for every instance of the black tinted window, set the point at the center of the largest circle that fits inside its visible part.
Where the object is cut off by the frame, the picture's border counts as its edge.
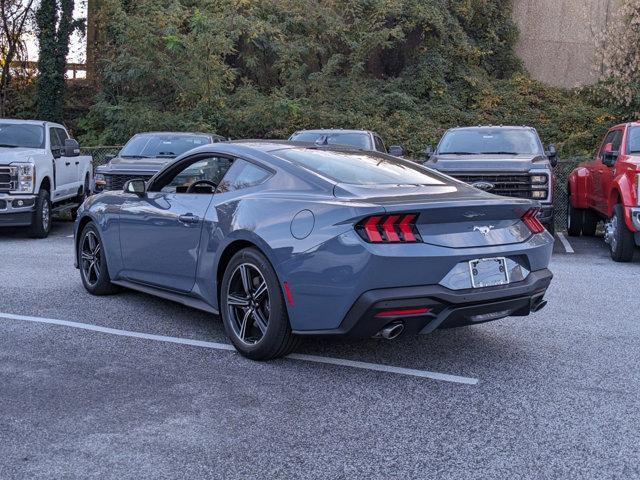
(470, 141)
(211, 169)
(360, 168)
(162, 145)
(633, 145)
(244, 175)
(21, 135)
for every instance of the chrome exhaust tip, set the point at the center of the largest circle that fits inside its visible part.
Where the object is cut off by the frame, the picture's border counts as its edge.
(391, 331)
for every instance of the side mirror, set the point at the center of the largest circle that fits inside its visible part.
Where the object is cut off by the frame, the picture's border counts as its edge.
(396, 151)
(428, 152)
(609, 156)
(71, 148)
(552, 155)
(136, 186)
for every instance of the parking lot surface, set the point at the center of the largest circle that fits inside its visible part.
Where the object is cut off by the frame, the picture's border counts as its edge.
(553, 395)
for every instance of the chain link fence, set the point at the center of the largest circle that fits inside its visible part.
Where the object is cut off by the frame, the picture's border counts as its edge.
(102, 155)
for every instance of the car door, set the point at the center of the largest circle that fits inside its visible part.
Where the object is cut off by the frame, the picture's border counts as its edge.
(160, 230)
(71, 164)
(606, 174)
(61, 166)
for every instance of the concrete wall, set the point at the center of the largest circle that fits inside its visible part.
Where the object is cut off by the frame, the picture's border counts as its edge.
(558, 38)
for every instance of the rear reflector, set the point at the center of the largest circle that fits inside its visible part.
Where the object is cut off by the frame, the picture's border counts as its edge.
(530, 219)
(402, 312)
(400, 228)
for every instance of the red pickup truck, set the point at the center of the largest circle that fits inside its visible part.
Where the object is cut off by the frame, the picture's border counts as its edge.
(608, 188)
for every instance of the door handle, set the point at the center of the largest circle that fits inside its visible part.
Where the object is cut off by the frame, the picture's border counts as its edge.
(189, 218)
(77, 163)
(67, 163)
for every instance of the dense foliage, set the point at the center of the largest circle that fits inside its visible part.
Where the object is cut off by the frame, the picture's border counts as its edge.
(619, 48)
(264, 68)
(55, 24)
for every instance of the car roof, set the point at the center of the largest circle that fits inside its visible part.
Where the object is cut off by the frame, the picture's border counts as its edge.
(334, 130)
(183, 134)
(32, 122)
(275, 145)
(493, 127)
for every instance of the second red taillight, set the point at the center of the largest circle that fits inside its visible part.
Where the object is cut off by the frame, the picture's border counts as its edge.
(397, 228)
(530, 219)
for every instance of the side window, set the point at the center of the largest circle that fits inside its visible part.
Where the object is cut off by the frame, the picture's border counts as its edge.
(62, 134)
(379, 144)
(209, 170)
(243, 175)
(56, 144)
(612, 137)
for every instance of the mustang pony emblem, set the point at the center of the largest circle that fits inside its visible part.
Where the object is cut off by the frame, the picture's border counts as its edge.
(483, 230)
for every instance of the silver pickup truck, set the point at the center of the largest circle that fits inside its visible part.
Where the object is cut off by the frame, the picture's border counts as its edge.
(41, 173)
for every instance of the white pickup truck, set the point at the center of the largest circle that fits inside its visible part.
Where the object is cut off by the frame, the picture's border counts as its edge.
(41, 173)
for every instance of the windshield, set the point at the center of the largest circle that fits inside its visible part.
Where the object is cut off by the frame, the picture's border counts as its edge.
(490, 141)
(353, 139)
(162, 145)
(359, 168)
(633, 143)
(14, 135)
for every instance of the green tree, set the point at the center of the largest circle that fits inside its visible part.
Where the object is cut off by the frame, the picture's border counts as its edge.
(55, 25)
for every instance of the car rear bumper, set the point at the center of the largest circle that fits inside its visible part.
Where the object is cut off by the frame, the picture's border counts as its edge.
(446, 308)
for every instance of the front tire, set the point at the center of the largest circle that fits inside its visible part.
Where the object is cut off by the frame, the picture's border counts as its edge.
(619, 237)
(41, 219)
(93, 263)
(253, 308)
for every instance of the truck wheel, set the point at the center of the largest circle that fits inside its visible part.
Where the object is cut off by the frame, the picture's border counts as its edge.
(590, 224)
(93, 264)
(253, 308)
(575, 220)
(81, 198)
(618, 237)
(41, 219)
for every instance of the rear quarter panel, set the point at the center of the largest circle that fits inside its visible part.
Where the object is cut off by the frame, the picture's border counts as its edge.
(580, 182)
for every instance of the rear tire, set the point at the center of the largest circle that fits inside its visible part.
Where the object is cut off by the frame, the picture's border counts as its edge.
(619, 237)
(81, 198)
(41, 219)
(93, 263)
(590, 224)
(575, 220)
(253, 308)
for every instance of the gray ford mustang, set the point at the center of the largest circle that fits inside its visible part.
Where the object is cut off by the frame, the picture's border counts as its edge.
(284, 239)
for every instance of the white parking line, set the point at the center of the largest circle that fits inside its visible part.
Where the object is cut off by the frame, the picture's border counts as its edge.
(225, 346)
(565, 243)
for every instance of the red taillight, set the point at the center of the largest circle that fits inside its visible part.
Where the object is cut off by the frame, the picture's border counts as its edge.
(530, 219)
(400, 228)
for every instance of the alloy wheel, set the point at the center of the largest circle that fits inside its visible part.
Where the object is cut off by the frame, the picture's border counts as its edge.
(248, 303)
(46, 215)
(90, 258)
(610, 232)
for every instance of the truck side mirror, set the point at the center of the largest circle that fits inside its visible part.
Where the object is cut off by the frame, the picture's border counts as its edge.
(71, 148)
(609, 156)
(396, 151)
(552, 155)
(136, 186)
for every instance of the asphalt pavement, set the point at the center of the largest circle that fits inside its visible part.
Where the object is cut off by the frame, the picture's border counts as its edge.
(553, 395)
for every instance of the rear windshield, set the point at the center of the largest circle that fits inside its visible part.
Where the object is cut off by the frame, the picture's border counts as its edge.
(501, 141)
(354, 139)
(359, 168)
(633, 143)
(15, 135)
(162, 145)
